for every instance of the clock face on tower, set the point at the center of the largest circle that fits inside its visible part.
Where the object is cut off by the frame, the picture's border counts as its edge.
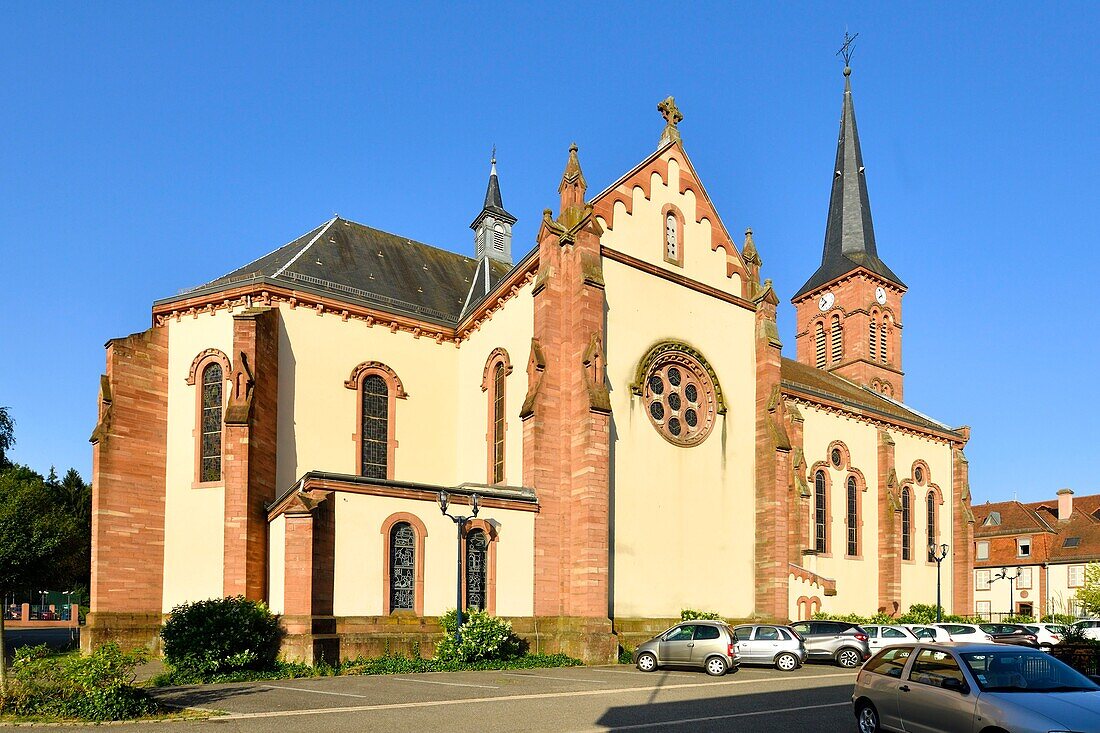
(825, 301)
(880, 295)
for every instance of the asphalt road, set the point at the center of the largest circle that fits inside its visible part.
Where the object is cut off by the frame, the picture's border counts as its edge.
(814, 698)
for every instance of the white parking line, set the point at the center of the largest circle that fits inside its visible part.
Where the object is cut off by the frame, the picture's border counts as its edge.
(449, 684)
(710, 718)
(551, 677)
(647, 674)
(316, 692)
(511, 698)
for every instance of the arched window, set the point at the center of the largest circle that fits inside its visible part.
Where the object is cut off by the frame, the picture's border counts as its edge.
(498, 422)
(873, 341)
(931, 525)
(494, 384)
(672, 237)
(837, 339)
(210, 460)
(853, 516)
(477, 569)
(882, 342)
(820, 514)
(402, 567)
(906, 525)
(374, 443)
(498, 238)
(819, 346)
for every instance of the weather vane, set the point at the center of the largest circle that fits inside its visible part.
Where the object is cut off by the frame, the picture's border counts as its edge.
(846, 50)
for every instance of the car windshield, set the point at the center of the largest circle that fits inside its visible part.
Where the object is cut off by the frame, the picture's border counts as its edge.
(1024, 671)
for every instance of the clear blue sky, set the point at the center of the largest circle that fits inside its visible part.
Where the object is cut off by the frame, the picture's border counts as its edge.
(149, 147)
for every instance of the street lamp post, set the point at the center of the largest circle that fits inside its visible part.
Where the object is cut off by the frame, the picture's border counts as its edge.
(1003, 575)
(938, 554)
(460, 523)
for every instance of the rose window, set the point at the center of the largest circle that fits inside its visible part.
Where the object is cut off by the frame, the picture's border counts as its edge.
(680, 399)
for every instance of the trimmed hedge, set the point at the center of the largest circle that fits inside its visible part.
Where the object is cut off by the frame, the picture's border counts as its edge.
(919, 613)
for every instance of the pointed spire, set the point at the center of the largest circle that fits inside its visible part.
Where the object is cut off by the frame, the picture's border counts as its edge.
(572, 185)
(749, 250)
(493, 226)
(849, 233)
(492, 192)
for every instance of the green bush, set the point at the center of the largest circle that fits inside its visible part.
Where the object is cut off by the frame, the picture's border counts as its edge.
(483, 638)
(690, 614)
(97, 687)
(1058, 618)
(626, 656)
(1018, 619)
(221, 636)
(396, 664)
(918, 613)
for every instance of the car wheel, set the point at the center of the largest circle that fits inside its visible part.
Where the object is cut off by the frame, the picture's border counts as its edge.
(786, 662)
(716, 666)
(647, 662)
(867, 719)
(849, 658)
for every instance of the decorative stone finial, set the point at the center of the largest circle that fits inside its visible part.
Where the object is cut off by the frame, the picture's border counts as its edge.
(673, 117)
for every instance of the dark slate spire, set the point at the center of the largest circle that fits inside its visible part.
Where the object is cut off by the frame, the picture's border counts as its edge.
(849, 233)
(493, 226)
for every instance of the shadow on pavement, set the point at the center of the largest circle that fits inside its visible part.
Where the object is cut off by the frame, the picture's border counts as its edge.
(825, 708)
(200, 697)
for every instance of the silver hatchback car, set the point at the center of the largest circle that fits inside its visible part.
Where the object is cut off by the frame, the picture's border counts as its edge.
(966, 688)
(770, 644)
(705, 644)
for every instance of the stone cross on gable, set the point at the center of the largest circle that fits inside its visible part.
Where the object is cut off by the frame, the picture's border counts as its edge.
(673, 116)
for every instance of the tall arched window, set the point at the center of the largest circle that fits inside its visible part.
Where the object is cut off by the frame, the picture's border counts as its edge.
(477, 568)
(931, 525)
(498, 422)
(882, 341)
(402, 567)
(498, 238)
(819, 345)
(820, 514)
(853, 516)
(873, 341)
(210, 461)
(837, 339)
(494, 384)
(374, 444)
(906, 525)
(672, 238)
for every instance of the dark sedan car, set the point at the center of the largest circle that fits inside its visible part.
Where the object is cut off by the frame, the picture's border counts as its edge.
(1011, 634)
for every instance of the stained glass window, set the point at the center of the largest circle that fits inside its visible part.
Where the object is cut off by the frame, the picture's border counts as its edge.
(680, 399)
(403, 567)
(477, 563)
(906, 525)
(931, 525)
(211, 458)
(498, 423)
(853, 517)
(375, 442)
(820, 543)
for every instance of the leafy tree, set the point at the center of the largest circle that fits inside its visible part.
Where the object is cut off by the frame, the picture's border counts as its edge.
(7, 436)
(35, 531)
(1088, 595)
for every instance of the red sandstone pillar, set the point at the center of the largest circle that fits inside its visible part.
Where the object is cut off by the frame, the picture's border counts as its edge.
(889, 535)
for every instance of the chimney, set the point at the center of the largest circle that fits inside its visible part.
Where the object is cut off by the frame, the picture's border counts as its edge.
(1065, 504)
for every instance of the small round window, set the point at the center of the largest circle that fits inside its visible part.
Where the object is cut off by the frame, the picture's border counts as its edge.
(836, 457)
(918, 474)
(680, 399)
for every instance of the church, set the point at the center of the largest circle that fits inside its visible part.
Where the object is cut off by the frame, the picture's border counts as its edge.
(611, 408)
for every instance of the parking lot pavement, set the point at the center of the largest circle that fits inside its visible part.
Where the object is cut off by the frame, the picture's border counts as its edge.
(814, 698)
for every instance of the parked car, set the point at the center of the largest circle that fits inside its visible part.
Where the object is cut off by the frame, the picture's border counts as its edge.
(1046, 634)
(1010, 634)
(882, 636)
(966, 632)
(836, 641)
(953, 687)
(929, 632)
(780, 646)
(708, 645)
(1090, 627)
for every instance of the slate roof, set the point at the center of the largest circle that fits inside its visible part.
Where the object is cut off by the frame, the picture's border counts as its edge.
(863, 400)
(358, 263)
(849, 232)
(493, 203)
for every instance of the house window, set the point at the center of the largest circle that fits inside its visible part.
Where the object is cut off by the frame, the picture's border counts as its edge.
(1076, 576)
(982, 551)
(819, 342)
(1071, 542)
(981, 580)
(820, 536)
(402, 567)
(213, 383)
(1023, 547)
(906, 525)
(993, 520)
(1024, 581)
(477, 564)
(983, 609)
(853, 516)
(374, 442)
(837, 339)
(931, 501)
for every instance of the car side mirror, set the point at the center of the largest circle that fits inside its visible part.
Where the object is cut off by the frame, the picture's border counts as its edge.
(950, 683)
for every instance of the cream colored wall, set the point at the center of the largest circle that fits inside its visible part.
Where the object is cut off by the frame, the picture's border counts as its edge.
(998, 592)
(856, 579)
(317, 414)
(276, 563)
(683, 518)
(360, 555)
(510, 328)
(193, 518)
(641, 233)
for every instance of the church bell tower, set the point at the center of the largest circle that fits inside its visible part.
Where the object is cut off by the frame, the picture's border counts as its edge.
(849, 311)
(493, 226)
